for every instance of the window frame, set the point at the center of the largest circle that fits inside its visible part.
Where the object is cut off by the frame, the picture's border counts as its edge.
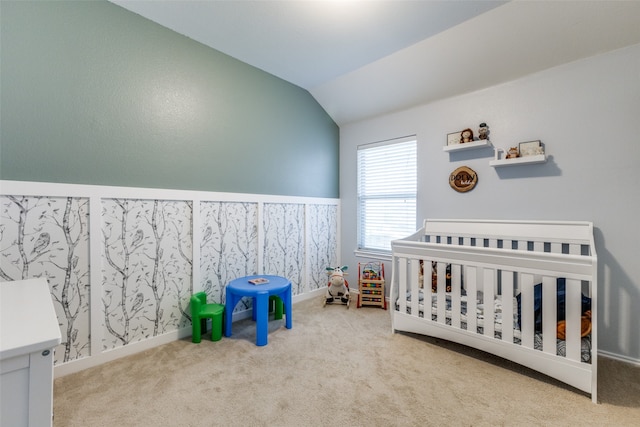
(411, 195)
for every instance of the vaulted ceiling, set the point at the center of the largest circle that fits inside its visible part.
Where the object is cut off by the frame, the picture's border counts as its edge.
(360, 59)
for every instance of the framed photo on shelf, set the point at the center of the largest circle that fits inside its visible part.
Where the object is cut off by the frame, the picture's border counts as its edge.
(454, 138)
(529, 148)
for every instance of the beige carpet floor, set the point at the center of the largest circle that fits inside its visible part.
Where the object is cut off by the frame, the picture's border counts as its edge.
(336, 367)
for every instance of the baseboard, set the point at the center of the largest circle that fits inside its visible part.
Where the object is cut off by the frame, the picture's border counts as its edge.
(133, 348)
(308, 295)
(111, 355)
(619, 358)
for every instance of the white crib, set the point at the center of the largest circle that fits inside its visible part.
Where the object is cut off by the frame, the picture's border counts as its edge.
(523, 280)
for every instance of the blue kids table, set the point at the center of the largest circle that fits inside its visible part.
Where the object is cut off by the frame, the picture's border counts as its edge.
(241, 287)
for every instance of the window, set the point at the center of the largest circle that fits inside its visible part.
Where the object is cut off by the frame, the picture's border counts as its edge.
(387, 187)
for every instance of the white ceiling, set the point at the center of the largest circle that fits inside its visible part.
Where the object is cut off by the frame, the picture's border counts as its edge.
(364, 58)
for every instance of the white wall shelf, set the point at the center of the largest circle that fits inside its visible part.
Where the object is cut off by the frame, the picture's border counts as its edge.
(467, 146)
(528, 160)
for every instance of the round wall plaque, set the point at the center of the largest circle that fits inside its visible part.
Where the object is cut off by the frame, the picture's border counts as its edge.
(463, 179)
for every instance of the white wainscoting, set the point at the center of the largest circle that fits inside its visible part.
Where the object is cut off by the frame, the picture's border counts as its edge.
(122, 262)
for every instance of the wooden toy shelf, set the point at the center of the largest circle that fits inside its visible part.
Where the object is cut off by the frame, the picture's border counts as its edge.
(371, 285)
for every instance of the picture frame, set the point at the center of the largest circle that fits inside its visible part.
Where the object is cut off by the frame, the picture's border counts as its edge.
(529, 148)
(453, 138)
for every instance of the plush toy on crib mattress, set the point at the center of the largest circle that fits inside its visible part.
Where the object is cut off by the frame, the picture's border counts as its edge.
(434, 277)
(338, 288)
(585, 326)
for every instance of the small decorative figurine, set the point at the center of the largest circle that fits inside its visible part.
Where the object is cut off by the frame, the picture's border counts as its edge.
(483, 132)
(466, 136)
(512, 153)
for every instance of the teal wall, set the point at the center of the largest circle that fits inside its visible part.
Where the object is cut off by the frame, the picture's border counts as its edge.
(94, 94)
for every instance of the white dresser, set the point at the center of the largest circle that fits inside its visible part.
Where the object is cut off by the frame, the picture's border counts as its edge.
(29, 332)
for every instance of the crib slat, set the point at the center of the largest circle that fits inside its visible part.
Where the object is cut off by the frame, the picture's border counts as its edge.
(472, 295)
(556, 248)
(538, 246)
(488, 285)
(414, 275)
(549, 312)
(507, 306)
(456, 282)
(441, 268)
(527, 310)
(573, 301)
(402, 285)
(523, 245)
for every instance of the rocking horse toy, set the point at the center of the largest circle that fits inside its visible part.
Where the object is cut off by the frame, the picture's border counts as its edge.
(338, 287)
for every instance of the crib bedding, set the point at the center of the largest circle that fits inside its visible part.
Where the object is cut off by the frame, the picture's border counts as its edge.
(497, 319)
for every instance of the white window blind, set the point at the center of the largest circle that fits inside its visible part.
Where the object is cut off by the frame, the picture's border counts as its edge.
(387, 187)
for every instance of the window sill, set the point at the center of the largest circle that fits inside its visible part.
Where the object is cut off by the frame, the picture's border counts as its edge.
(362, 253)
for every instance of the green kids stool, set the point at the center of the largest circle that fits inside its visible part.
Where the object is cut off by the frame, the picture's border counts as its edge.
(276, 306)
(200, 312)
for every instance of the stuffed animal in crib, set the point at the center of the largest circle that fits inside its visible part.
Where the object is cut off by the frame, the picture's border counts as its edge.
(434, 277)
(338, 288)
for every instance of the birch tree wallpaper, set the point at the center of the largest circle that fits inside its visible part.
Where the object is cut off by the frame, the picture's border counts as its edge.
(229, 247)
(147, 273)
(48, 237)
(144, 258)
(284, 242)
(323, 243)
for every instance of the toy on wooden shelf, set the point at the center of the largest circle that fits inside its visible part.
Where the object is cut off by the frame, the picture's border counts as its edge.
(338, 287)
(371, 284)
